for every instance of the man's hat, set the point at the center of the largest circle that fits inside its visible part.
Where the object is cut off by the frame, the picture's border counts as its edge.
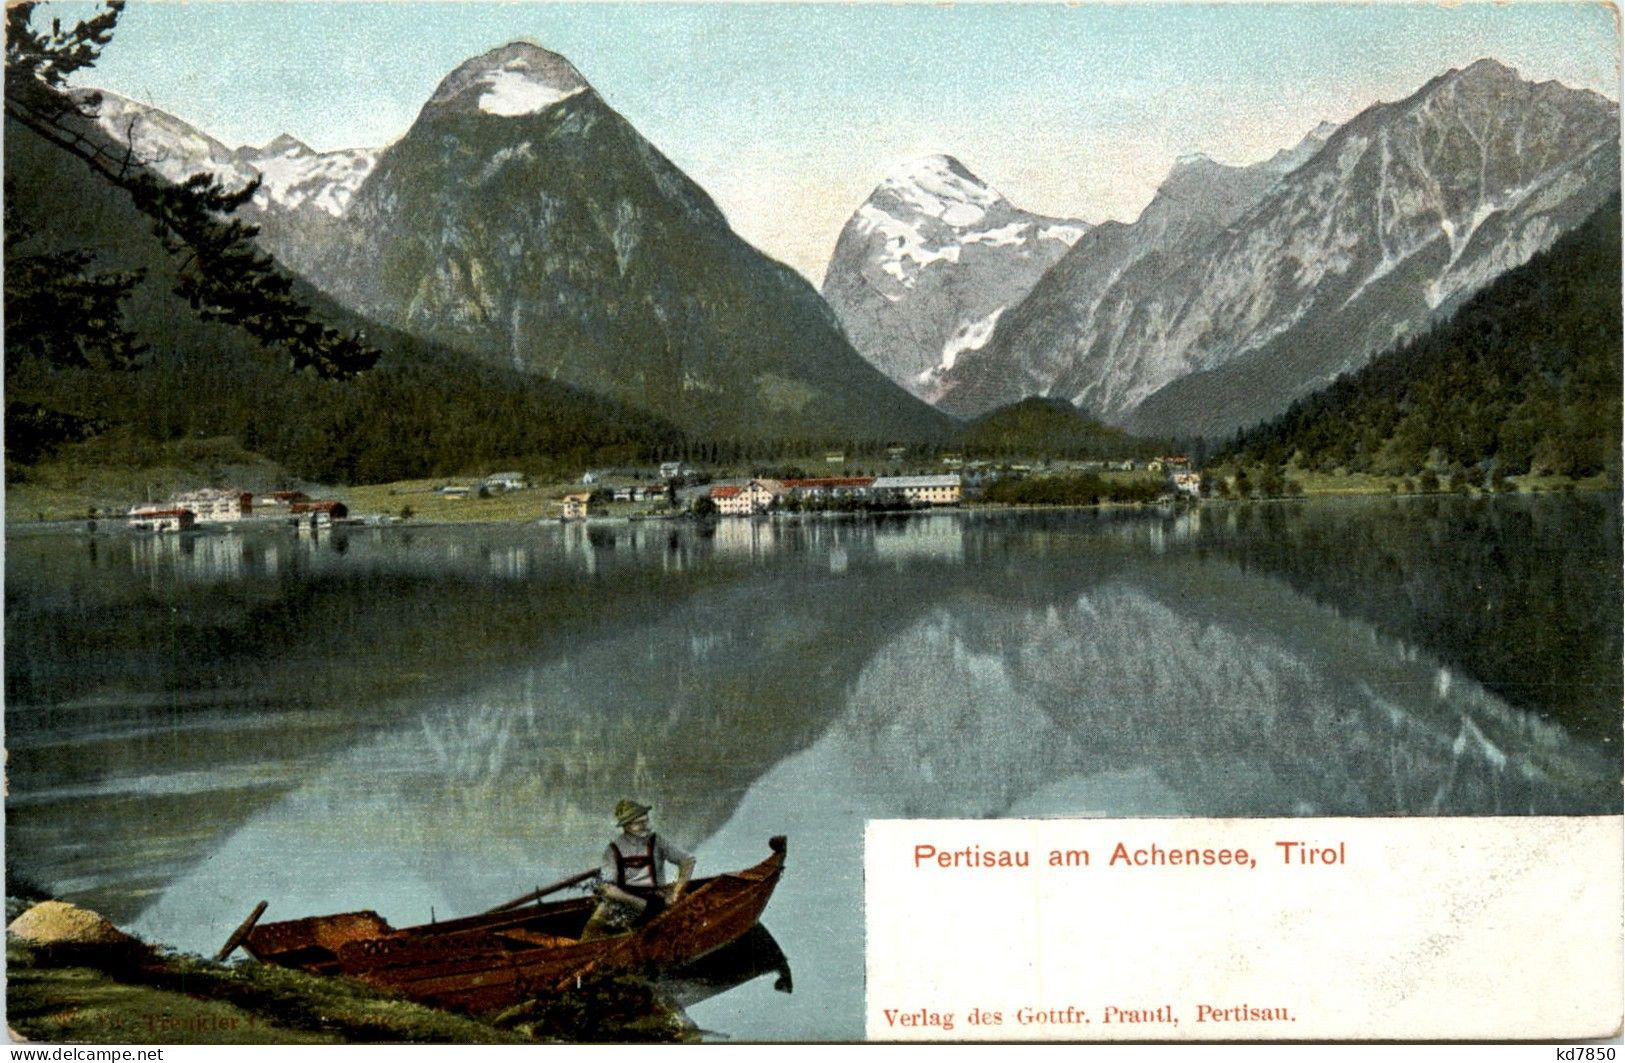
(627, 810)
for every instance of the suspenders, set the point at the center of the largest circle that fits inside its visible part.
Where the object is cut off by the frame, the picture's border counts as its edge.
(623, 863)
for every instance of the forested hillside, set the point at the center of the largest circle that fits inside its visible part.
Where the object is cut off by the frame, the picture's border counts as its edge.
(1524, 378)
(422, 411)
(1040, 427)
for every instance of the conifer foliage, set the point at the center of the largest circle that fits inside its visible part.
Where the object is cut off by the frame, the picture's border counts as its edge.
(221, 276)
(59, 310)
(1524, 378)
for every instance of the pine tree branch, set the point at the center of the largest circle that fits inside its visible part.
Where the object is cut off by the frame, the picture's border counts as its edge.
(221, 275)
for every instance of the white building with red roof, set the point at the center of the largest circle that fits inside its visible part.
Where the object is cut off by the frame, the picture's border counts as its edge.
(731, 501)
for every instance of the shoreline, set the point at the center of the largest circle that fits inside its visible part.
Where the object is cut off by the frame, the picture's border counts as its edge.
(115, 524)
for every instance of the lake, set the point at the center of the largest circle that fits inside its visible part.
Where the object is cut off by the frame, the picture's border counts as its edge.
(427, 721)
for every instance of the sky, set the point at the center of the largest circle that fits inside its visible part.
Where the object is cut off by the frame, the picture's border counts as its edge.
(789, 114)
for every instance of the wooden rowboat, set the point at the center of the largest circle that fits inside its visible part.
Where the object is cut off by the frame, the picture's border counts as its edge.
(481, 963)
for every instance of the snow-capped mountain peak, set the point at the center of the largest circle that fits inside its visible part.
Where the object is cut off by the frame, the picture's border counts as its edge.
(925, 266)
(296, 176)
(513, 81)
(292, 175)
(939, 186)
(166, 145)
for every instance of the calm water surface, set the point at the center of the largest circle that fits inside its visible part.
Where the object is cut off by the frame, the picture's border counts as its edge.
(429, 721)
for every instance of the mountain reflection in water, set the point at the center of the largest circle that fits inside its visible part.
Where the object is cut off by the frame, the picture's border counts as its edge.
(757, 678)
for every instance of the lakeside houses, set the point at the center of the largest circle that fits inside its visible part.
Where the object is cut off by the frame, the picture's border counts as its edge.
(576, 505)
(830, 486)
(507, 481)
(639, 493)
(1188, 483)
(760, 495)
(942, 490)
(763, 493)
(161, 519)
(743, 500)
(731, 501)
(1169, 464)
(231, 506)
(273, 499)
(216, 505)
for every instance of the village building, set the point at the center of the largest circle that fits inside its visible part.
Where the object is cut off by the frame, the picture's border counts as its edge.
(762, 494)
(576, 505)
(731, 501)
(1188, 483)
(160, 519)
(279, 499)
(214, 505)
(830, 486)
(929, 490)
(507, 481)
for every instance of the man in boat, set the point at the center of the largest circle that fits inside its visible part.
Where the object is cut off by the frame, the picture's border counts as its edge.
(631, 881)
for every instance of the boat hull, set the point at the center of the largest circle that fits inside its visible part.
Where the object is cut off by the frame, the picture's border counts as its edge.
(486, 962)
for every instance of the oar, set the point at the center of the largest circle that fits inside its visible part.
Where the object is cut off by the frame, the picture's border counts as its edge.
(241, 933)
(544, 891)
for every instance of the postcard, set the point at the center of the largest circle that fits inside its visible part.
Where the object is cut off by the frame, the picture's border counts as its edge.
(669, 522)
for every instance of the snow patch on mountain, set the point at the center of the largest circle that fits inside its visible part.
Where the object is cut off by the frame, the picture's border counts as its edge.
(292, 177)
(972, 335)
(937, 186)
(1066, 234)
(903, 243)
(1004, 236)
(512, 93)
(166, 145)
(514, 81)
(296, 176)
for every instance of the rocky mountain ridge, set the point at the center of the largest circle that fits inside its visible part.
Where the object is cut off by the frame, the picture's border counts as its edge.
(524, 222)
(1237, 291)
(302, 191)
(929, 261)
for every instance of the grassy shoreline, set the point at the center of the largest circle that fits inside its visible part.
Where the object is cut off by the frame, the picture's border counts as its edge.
(139, 995)
(95, 996)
